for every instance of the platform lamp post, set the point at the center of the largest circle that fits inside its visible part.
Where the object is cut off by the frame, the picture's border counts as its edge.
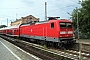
(1, 24)
(77, 24)
(80, 45)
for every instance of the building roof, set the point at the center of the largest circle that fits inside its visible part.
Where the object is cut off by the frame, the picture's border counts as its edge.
(24, 18)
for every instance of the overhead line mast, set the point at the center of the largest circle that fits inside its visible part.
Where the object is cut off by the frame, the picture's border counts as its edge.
(46, 11)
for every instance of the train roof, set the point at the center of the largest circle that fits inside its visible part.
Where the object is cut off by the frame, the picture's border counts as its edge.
(64, 20)
(10, 27)
(48, 21)
(61, 20)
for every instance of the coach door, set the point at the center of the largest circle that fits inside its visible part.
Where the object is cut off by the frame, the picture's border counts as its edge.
(12, 31)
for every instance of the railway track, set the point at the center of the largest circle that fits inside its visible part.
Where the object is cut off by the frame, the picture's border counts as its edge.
(48, 53)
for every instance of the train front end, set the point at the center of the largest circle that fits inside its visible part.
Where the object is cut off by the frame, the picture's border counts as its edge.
(66, 32)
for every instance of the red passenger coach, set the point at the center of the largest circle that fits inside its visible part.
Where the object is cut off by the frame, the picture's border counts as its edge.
(10, 31)
(2, 31)
(52, 30)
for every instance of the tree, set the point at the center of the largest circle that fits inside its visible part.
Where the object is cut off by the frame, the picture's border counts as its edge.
(83, 17)
(2, 26)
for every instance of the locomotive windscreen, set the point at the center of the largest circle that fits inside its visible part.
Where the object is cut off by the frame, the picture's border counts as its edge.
(65, 25)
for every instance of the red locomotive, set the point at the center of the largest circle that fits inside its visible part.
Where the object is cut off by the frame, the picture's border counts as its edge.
(53, 30)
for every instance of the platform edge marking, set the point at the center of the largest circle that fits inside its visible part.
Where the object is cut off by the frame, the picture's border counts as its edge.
(10, 51)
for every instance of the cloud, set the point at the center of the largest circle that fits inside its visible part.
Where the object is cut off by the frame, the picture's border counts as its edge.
(13, 9)
(1, 19)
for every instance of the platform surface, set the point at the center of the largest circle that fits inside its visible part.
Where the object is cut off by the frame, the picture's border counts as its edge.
(9, 51)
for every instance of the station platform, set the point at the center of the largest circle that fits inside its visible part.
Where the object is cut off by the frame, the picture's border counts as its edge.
(85, 41)
(9, 51)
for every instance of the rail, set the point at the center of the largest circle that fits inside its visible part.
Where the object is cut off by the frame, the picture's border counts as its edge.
(50, 53)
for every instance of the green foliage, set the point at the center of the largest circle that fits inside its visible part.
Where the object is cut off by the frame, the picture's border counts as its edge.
(2, 26)
(83, 17)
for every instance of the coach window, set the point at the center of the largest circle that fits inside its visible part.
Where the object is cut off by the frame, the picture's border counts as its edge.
(52, 25)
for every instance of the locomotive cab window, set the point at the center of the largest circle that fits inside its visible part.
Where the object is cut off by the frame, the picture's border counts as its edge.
(52, 25)
(65, 25)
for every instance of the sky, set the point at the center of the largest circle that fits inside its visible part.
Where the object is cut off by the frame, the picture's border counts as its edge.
(15, 9)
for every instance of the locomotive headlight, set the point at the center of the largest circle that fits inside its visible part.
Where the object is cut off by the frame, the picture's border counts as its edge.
(70, 32)
(63, 32)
